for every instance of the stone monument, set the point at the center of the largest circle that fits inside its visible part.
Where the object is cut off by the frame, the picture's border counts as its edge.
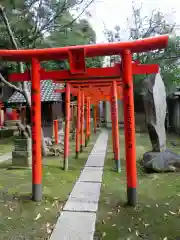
(159, 159)
(22, 153)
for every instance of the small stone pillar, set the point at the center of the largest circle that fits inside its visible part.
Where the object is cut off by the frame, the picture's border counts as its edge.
(22, 154)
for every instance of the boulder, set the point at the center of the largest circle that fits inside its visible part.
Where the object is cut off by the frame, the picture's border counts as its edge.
(165, 161)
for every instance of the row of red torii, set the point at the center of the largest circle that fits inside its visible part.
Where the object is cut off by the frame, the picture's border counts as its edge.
(79, 80)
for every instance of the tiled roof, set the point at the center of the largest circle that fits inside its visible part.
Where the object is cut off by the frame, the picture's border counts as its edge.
(47, 92)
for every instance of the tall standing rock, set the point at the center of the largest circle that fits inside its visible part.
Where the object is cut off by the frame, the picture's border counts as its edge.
(154, 96)
(159, 159)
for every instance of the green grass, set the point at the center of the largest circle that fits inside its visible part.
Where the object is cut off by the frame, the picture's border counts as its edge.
(6, 145)
(18, 212)
(157, 214)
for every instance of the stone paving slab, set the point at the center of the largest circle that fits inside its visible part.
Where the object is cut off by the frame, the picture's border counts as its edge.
(84, 197)
(77, 221)
(74, 226)
(91, 174)
(95, 161)
(97, 154)
(5, 157)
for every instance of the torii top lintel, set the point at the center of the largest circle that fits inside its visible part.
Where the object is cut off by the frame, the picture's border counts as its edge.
(104, 49)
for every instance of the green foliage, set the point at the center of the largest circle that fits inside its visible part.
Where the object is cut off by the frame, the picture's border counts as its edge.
(168, 59)
(47, 23)
(94, 62)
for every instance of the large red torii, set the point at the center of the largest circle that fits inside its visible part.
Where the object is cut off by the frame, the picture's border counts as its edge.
(76, 56)
(93, 93)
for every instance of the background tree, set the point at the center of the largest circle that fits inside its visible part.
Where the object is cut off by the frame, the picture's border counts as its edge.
(32, 24)
(139, 27)
(156, 24)
(112, 35)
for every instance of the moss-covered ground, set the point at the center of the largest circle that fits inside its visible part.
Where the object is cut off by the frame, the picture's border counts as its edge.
(21, 218)
(157, 214)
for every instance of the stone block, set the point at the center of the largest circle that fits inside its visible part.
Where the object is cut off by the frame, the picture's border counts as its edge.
(91, 174)
(11, 122)
(21, 153)
(95, 161)
(21, 158)
(22, 161)
(84, 197)
(21, 144)
(74, 226)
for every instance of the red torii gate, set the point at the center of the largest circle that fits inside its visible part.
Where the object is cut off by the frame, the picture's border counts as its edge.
(86, 85)
(91, 77)
(76, 56)
(93, 93)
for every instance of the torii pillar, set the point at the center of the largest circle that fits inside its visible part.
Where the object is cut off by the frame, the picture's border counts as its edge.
(129, 127)
(82, 122)
(36, 132)
(67, 127)
(78, 124)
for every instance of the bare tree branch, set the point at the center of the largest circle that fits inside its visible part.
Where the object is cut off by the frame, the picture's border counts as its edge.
(24, 89)
(10, 84)
(11, 35)
(5, 19)
(47, 27)
(61, 9)
(37, 20)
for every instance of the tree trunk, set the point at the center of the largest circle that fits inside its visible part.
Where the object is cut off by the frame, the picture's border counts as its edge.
(25, 92)
(43, 144)
(27, 96)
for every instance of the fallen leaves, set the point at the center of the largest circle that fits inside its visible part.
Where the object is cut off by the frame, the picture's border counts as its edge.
(110, 213)
(118, 210)
(146, 225)
(37, 217)
(60, 208)
(11, 209)
(56, 198)
(55, 204)
(104, 234)
(172, 213)
(137, 233)
(49, 228)
(47, 209)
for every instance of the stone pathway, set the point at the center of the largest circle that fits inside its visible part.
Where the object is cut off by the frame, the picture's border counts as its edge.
(5, 157)
(78, 218)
